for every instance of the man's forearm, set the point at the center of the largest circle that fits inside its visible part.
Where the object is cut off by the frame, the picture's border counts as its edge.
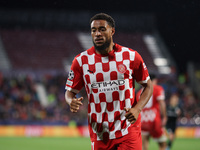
(163, 108)
(163, 112)
(145, 96)
(69, 96)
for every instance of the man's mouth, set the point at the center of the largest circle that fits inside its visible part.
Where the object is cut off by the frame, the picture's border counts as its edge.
(99, 41)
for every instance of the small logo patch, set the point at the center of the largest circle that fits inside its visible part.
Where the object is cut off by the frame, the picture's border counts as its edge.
(71, 75)
(144, 66)
(69, 83)
(90, 71)
(121, 68)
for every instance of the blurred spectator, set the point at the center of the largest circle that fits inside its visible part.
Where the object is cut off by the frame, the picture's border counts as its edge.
(173, 112)
(20, 104)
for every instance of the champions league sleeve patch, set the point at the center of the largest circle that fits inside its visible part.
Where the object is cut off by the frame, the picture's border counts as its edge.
(71, 75)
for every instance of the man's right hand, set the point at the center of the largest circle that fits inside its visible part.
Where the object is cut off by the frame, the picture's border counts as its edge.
(75, 104)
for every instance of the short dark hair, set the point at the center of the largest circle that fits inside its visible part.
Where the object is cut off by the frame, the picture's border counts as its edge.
(103, 16)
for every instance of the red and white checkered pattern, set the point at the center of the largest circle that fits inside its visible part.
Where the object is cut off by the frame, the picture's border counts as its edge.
(109, 84)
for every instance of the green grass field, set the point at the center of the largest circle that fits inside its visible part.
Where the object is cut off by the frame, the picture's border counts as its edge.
(44, 143)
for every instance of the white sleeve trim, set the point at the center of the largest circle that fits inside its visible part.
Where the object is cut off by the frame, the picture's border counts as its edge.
(161, 97)
(144, 81)
(72, 90)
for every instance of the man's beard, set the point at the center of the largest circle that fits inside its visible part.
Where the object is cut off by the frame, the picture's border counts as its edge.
(103, 47)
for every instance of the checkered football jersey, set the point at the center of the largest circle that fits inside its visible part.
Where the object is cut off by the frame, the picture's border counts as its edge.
(109, 83)
(151, 112)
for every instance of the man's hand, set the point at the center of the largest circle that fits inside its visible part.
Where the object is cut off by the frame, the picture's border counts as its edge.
(131, 114)
(75, 104)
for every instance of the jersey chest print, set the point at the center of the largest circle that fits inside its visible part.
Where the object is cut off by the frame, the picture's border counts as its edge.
(108, 81)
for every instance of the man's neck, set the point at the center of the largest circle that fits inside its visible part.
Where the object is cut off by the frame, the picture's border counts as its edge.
(107, 50)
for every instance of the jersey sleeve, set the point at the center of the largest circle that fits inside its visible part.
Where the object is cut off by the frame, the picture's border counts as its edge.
(140, 71)
(160, 93)
(75, 78)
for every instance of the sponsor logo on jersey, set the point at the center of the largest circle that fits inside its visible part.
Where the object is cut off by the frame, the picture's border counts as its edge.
(107, 86)
(148, 115)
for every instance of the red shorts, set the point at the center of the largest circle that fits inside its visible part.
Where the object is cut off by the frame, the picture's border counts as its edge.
(153, 128)
(131, 141)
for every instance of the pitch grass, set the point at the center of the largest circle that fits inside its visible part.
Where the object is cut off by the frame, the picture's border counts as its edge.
(44, 143)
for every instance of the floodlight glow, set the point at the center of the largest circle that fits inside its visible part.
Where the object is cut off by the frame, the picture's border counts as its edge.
(160, 61)
(164, 70)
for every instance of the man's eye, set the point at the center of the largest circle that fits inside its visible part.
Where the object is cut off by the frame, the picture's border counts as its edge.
(103, 29)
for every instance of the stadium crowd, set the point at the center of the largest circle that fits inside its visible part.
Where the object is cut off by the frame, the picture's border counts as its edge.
(20, 103)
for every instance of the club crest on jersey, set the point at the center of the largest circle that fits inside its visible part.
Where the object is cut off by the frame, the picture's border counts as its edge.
(121, 68)
(71, 75)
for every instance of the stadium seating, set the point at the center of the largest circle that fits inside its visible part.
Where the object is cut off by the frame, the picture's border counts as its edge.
(33, 49)
(38, 49)
(136, 42)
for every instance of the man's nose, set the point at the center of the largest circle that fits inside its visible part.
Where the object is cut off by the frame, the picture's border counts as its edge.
(98, 33)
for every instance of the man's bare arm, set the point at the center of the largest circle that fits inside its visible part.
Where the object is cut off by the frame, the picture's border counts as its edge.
(73, 102)
(133, 113)
(163, 112)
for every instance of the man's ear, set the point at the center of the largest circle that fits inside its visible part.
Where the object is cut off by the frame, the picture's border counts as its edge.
(113, 31)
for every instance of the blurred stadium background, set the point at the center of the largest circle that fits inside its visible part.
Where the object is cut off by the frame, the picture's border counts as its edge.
(39, 39)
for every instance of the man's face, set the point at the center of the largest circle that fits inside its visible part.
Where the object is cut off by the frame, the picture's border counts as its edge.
(101, 34)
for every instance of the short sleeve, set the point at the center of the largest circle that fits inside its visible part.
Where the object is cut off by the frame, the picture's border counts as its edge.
(140, 72)
(160, 93)
(75, 78)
